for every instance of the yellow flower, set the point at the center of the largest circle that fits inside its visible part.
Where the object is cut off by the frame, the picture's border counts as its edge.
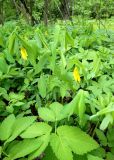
(24, 54)
(76, 74)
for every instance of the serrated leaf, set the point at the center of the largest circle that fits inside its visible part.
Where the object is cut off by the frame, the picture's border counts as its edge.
(20, 125)
(36, 129)
(6, 127)
(75, 138)
(60, 148)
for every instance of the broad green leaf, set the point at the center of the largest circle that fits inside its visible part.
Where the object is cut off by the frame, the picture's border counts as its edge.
(91, 157)
(3, 65)
(57, 108)
(69, 108)
(20, 125)
(54, 45)
(46, 114)
(63, 60)
(42, 61)
(23, 148)
(42, 38)
(60, 148)
(69, 39)
(42, 86)
(6, 127)
(1, 41)
(36, 129)
(77, 140)
(81, 105)
(53, 113)
(77, 106)
(11, 43)
(45, 140)
(96, 65)
(100, 152)
(106, 121)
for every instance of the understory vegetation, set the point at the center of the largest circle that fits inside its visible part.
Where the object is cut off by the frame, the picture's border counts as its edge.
(57, 89)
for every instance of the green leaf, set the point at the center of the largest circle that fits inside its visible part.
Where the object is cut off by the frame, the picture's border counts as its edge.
(100, 152)
(71, 139)
(91, 157)
(106, 121)
(36, 129)
(6, 127)
(53, 113)
(42, 61)
(57, 108)
(46, 114)
(101, 136)
(110, 156)
(11, 43)
(96, 65)
(54, 45)
(42, 38)
(81, 105)
(23, 148)
(108, 109)
(60, 148)
(45, 140)
(77, 106)
(80, 157)
(49, 155)
(69, 39)
(3, 65)
(69, 108)
(20, 125)
(75, 138)
(42, 86)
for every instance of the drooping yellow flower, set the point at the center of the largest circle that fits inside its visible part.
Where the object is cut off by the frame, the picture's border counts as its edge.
(24, 54)
(76, 75)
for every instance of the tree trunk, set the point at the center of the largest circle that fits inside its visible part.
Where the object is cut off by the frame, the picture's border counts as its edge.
(65, 8)
(46, 7)
(26, 9)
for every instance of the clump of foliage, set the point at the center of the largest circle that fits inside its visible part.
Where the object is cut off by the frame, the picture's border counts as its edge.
(33, 11)
(56, 92)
